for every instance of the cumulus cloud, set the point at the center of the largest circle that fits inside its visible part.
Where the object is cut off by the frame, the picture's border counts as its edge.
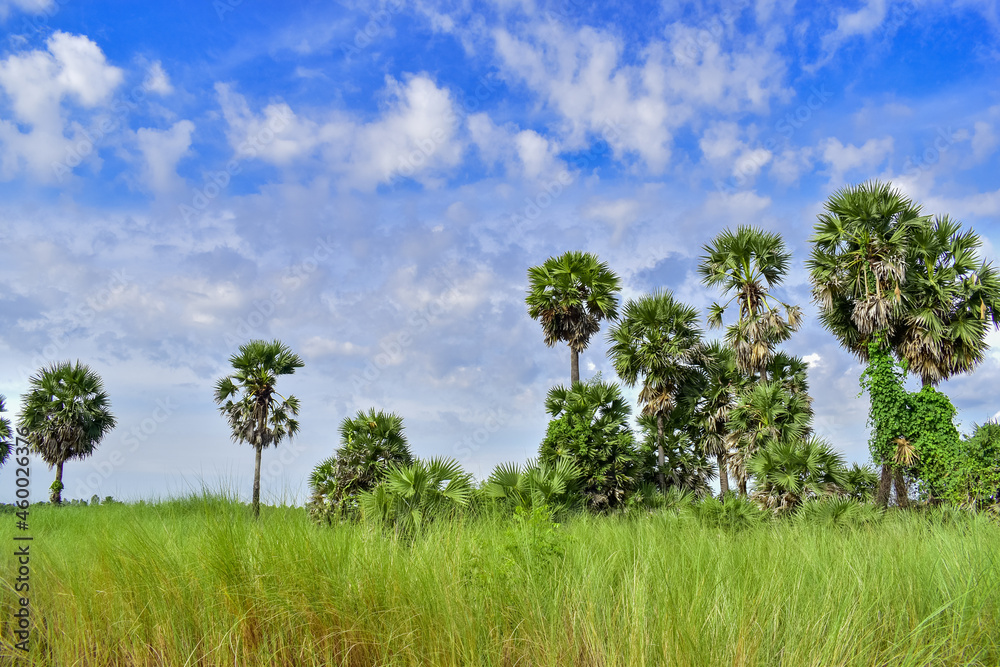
(842, 159)
(27, 6)
(39, 84)
(416, 135)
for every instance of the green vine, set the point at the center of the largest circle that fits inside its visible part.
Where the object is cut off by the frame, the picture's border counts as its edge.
(937, 443)
(888, 413)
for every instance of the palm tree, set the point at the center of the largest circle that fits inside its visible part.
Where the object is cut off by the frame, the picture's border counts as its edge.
(4, 433)
(791, 472)
(859, 258)
(415, 493)
(949, 301)
(658, 342)
(66, 413)
(858, 266)
(766, 414)
(249, 401)
(746, 264)
(725, 384)
(590, 427)
(538, 485)
(570, 295)
(370, 443)
(685, 465)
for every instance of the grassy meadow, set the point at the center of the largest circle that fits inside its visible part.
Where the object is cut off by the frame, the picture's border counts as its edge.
(198, 582)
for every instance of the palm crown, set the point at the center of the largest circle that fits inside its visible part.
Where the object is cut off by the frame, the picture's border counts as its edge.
(66, 414)
(570, 295)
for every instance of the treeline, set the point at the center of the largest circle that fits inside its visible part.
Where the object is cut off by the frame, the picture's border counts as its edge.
(902, 290)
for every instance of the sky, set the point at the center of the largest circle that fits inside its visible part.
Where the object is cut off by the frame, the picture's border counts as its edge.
(369, 183)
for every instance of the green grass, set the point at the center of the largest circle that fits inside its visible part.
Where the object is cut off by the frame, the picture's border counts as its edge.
(197, 582)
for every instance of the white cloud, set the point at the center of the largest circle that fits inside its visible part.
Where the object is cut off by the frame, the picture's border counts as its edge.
(38, 83)
(27, 6)
(162, 149)
(525, 152)
(415, 136)
(813, 360)
(157, 79)
(317, 346)
(790, 164)
(842, 159)
(618, 214)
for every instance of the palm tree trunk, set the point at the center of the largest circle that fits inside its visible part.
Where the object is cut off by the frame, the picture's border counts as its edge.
(902, 493)
(884, 486)
(723, 476)
(56, 496)
(659, 451)
(574, 366)
(256, 485)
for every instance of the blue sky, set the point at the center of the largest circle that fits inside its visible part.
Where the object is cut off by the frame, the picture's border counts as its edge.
(369, 183)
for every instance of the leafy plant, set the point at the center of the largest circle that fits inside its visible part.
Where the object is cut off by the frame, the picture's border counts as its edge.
(731, 513)
(552, 485)
(414, 494)
(789, 473)
(838, 512)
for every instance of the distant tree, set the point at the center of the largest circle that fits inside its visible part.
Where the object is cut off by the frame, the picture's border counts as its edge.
(250, 402)
(4, 433)
(66, 413)
(686, 466)
(590, 427)
(725, 382)
(658, 343)
(789, 473)
(570, 295)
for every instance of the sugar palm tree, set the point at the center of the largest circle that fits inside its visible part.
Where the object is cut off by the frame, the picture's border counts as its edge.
(791, 472)
(950, 299)
(746, 265)
(725, 383)
(658, 343)
(4, 433)
(66, 413)
(858, 264)
(765, 414)
(370, 443)
(861, 247)
(413, 494)
(570, 295)
(257, 414)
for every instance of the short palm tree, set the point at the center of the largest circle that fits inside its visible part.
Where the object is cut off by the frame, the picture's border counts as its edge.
(658, 343)
(570, 295)
(950, 299)
(370, 443)
(788, 473)
(746, 265)
(764, 415)
(416, 493)
(257, 414)
(552, 486)
(66, 413)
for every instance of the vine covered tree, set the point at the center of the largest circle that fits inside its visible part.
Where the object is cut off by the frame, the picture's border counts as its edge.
(257, 414)
(570, 295)
(66, 413)
(658, 343)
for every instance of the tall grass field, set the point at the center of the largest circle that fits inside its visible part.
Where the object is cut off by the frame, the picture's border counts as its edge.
(199, 582)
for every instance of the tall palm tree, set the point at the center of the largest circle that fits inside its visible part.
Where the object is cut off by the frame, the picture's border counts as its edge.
(950, 299)
(746, 265)
(657, 342)
(4, 433)
(257, 414)
(861, 247)
(570, 295)
(858, 264)
(66, 413)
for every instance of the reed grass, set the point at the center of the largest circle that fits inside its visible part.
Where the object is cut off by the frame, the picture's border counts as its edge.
(198, 582)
